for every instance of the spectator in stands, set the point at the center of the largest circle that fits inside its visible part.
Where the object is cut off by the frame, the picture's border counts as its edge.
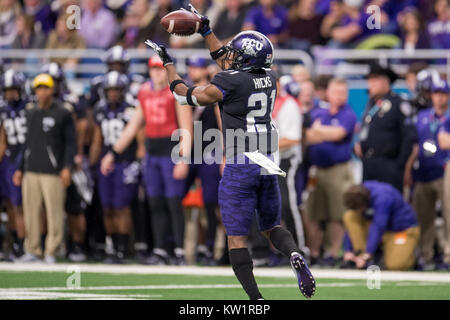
(49, 149)
(444, 144)
(98, 25)
(206, 8)
(427, 167)
(393, 9)
(138, 16)
(150, 28)
(119, 8)
(232, 16)
(330, 151)
(63, 38)
(43, 14)
(270, 19)
(9, 9)
(130, 27)
(304, 25)
(346, 25)
(439, 28)
(333, 18)
(27, 37)
(322, 7)
(378, 215)
(413, 34)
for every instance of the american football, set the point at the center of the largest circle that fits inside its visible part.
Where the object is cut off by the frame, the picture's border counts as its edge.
(181, 22)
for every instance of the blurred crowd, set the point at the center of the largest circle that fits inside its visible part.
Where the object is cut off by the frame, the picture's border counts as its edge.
(301, 24)
(153, 211)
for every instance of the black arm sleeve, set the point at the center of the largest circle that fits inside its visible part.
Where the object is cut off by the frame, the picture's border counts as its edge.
(409, 138)
(70, 146)
(24, 147)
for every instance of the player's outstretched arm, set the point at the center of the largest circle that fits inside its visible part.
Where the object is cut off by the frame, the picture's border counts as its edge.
(194, 96)
(213, 44)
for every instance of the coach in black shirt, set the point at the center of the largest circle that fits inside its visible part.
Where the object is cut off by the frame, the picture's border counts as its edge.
(48, 155)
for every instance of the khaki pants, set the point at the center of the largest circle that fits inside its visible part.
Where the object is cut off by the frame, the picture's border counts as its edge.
(40, 188)
(398, 247)
(425, 196)
(326, 201)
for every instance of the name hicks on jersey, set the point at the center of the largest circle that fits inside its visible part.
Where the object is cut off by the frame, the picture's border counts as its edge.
(261, 83)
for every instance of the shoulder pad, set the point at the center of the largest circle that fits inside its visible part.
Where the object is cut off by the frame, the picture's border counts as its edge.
(101, 104)
(231, 71)
(129, 98)
(97, 80)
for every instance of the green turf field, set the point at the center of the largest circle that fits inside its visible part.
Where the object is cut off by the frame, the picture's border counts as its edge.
(107, 285)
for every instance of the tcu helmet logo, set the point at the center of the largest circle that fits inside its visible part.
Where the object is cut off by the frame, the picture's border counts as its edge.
(249, 45)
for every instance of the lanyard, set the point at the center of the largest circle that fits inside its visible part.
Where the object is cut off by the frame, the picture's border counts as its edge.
(434, 123)
(372, 112)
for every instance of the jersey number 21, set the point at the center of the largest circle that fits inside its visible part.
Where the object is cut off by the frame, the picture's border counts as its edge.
(261, 97)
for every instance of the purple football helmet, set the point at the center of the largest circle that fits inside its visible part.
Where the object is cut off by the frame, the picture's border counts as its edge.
(55, 70)
(426, 78)
(250, 50)
(117, 54)
(115, 79)
(12, 79)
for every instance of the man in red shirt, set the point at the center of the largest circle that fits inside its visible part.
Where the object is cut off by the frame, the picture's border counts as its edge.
(163, 178)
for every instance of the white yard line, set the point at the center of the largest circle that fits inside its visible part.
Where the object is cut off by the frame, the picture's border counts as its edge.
(282, 272)
(168, 287)
(24, 294)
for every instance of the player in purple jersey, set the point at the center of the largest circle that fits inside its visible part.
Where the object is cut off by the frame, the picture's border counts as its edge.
(13, 128)
(207, 173)
(116, 189)
(245, 91)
